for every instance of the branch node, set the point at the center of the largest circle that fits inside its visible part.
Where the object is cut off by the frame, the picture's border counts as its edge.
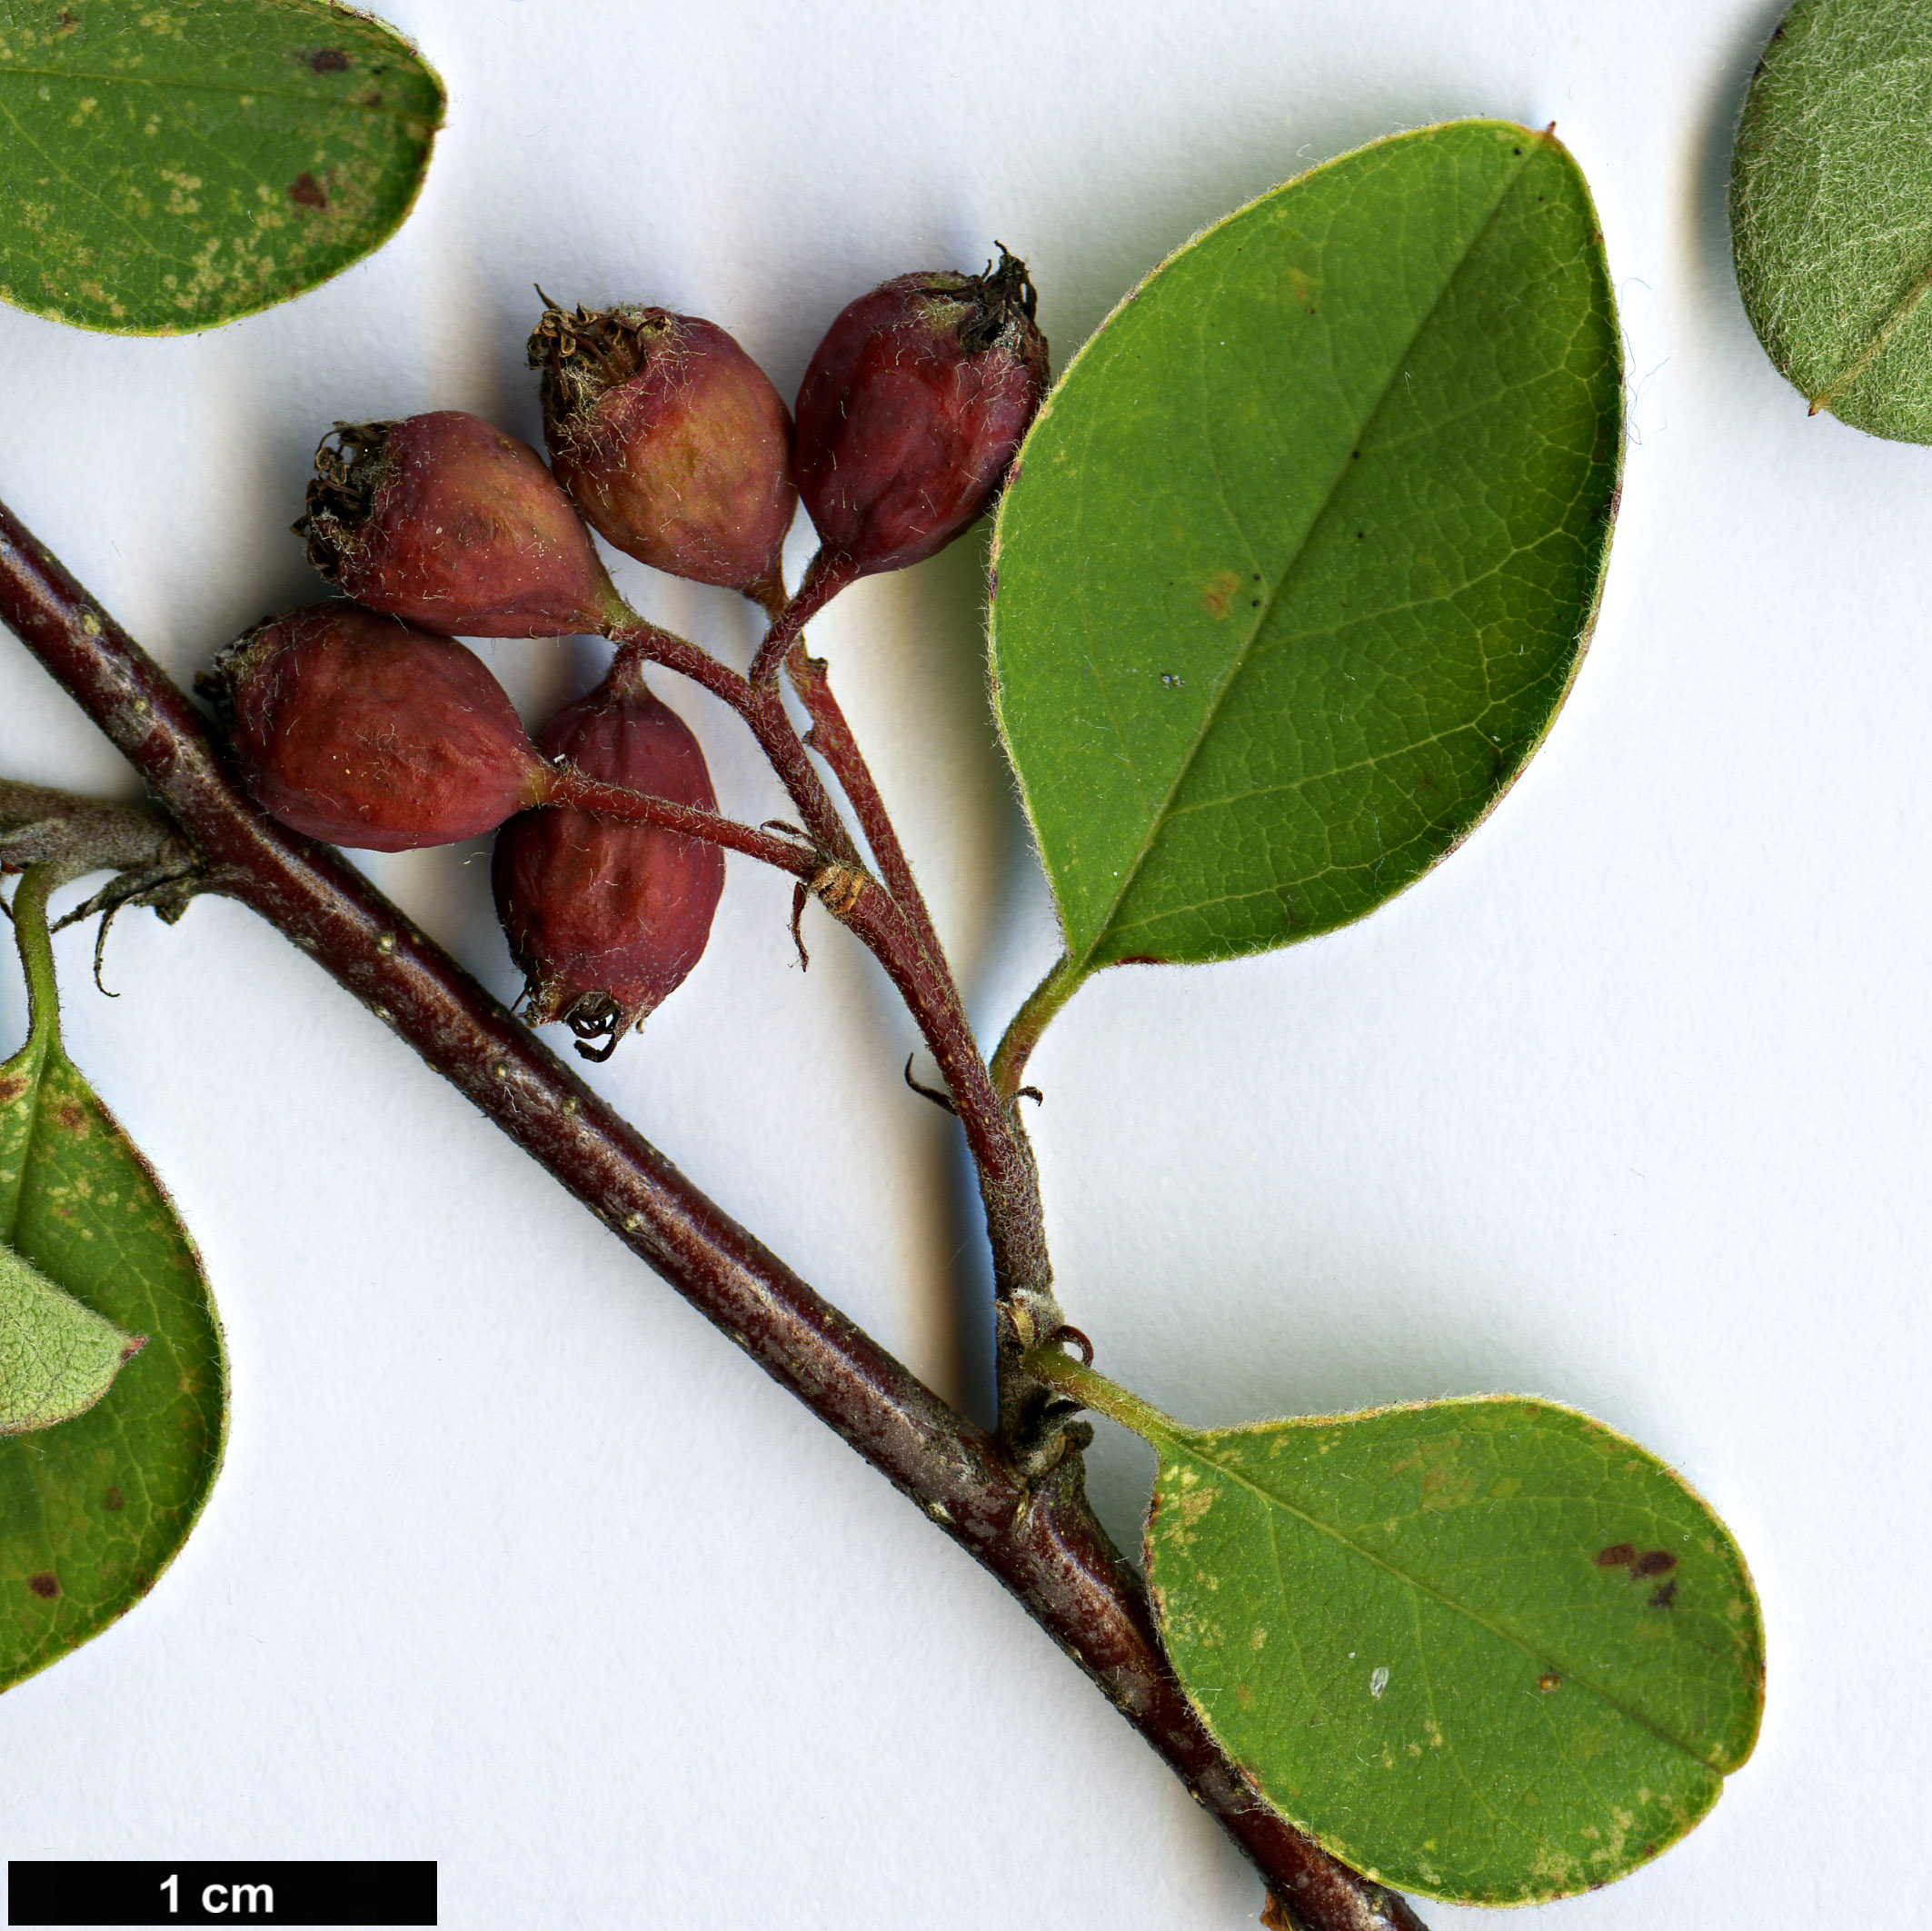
(837, 887)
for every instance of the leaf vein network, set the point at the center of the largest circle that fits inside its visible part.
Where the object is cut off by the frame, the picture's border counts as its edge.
(1157, 820)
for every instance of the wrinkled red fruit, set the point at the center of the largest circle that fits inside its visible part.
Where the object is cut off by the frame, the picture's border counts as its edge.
(671, 440)
(443, 520)
(360, 729)
(605, 920)
(913, 409)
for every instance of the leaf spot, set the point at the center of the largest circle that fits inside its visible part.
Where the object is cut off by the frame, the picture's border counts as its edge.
(1219, 594)
(306, 191)
(329, 60)
(47, 1585)
(1652, 1562)
(112, 1501)
(1194, 1506)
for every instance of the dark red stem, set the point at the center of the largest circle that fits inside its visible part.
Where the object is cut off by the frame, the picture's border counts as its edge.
(1009, 1183)
(570, 788)
(1040, 1540)
(828, 574)
(764, 712)
(831, 738)
(895, 926)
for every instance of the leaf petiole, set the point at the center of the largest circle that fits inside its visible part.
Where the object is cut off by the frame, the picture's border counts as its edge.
(1023, 1034)
(1092, 1390)
(36, 956)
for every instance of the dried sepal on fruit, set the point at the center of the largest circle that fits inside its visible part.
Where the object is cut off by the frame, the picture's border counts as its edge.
(671, 440)
(445, 521)
(364, 731)
(605, 920)
(911, 411)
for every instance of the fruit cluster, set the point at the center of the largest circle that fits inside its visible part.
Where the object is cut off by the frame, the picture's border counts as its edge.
(360, 721)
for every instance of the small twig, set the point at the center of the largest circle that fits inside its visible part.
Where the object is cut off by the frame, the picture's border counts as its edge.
(894, 924)
(79, 835)
(571, 789)
(1022, 1274)
(763, 713)
(154, 864)
(831, 738)
(828, 575)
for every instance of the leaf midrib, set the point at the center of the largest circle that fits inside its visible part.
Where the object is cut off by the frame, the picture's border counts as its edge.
(1900, 312)
(1535, 1652)
(1812, 108)
(266, 94)
(1158, 823)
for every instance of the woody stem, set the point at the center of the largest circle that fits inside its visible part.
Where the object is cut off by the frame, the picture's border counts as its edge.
(1037, 1536)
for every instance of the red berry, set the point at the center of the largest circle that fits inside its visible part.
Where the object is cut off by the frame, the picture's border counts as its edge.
(913, 409)
(358, 729)
(444, 520)
(671, 440)
(605, 920)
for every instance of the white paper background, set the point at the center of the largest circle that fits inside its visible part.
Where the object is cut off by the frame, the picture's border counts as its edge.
(515, 1563)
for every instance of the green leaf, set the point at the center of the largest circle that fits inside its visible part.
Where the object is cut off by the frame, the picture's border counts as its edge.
(165, 167)
(1831, 210)
(91, 1511)
(1303, 550)
(1484, 1649)
(57, 1358)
